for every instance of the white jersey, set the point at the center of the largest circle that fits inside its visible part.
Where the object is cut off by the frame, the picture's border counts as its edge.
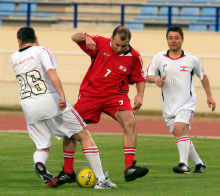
(39, 99)
(178, 92)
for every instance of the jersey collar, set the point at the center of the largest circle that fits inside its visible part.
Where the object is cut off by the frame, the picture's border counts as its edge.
(125, 53)
(21, 50)
(167, 55)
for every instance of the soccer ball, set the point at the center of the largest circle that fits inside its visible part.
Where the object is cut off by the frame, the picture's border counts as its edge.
(85, 177)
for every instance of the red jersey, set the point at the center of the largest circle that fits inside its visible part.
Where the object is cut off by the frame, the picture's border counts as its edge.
(110, 73)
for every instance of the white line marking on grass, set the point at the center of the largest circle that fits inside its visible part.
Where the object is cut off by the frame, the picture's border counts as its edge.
(108, 133)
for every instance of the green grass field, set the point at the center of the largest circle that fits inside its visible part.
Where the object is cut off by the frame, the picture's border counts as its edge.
(17, 176)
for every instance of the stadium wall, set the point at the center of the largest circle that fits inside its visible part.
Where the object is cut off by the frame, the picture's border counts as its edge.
(144, 41)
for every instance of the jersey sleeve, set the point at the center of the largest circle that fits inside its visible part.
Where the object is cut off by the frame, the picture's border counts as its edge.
(82, 45)
(198, 69)
(153, 67)
(47, 59)
(137, 74)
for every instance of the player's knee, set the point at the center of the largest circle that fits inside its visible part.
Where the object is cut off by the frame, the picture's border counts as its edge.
(83, 135)
(129, 123)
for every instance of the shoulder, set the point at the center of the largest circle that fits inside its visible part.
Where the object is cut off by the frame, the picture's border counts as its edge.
(160, 54)
(134, 52)
(101, 37)
(43, 49)
(193, 57)
(14, 54)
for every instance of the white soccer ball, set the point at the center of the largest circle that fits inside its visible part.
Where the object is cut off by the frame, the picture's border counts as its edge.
(85, 177)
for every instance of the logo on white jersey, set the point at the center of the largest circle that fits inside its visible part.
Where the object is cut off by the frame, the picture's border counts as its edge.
(183, 68)
(164, 66)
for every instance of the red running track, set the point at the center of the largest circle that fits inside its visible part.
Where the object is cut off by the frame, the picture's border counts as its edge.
(203, 129)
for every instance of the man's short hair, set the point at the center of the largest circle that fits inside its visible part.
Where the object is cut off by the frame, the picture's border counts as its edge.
(26, 35)
(124, 33)
(175, 29)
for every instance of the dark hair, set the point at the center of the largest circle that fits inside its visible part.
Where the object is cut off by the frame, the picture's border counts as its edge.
(175, 29)
(124, 33)
(26, 35)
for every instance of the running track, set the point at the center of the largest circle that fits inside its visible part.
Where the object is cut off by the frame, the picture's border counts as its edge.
(202, 129)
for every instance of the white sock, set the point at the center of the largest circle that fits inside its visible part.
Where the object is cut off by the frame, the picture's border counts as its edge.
(193, 155)
(92, 155)
(41, 156)
(183, 147)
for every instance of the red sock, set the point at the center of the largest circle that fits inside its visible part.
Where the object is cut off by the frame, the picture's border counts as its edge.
(129, 153)
(68, 161)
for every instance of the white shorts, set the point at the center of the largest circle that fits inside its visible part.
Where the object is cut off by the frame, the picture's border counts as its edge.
(65, 124)
(182, 116)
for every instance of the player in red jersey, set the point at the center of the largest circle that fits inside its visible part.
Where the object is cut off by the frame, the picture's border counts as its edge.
(114, 65)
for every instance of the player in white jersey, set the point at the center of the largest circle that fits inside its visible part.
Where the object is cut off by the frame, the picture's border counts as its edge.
(48, 113)
(174, 71)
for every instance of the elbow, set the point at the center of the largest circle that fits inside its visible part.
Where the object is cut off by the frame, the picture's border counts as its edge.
(73, 38)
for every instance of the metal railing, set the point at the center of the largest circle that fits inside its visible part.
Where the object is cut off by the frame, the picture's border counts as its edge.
(122, 15)
(72, 66)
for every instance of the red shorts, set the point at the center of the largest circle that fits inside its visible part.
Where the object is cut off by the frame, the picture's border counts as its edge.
(90, 107)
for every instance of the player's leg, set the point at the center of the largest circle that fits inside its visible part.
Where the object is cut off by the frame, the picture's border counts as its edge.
(41, 136)
(182, 142)
(91, 153)
(200, 166)
(71, 125)
(127, 121)
(67, 175)
(186, 149)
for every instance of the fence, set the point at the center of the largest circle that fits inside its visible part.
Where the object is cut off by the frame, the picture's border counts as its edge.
(72, 66)
(135, 15)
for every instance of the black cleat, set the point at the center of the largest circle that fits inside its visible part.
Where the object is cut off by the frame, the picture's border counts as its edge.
(134, 172)
(45, 175)
(64, 178)
(200, 168)
(182, 168)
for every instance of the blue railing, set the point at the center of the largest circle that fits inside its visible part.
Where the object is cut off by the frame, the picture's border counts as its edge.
(29, 9)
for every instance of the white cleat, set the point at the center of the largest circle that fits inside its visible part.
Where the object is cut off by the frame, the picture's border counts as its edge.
(105, 184)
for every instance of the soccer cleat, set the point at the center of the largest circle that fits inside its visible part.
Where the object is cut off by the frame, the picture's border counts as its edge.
(45, 175)
(105, 184)
(134, 172)
(181, 168)
(64, 178)
(200, 168)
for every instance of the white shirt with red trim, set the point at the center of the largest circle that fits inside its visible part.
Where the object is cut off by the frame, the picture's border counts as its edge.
(38, 96)
(178, 92)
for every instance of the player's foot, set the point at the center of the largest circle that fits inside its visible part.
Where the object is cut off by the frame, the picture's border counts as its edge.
(182, 168)
(45, 175)
(64, 178)
(105, 184)
(200, 168)
(134, 172)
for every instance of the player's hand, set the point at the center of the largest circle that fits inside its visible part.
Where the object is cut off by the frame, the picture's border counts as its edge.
(160, 81)
(90, 44)
(137, 102)
(211, 103)
(62, 103)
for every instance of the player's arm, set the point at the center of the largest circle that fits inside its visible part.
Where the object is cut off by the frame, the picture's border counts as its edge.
(138, 100)
(156, 79)
(205, 83)
(83, 37)
(55, 80)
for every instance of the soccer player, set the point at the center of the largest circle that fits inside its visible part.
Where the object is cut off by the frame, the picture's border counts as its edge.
(48, 113)
(114, 65)
(174, 71)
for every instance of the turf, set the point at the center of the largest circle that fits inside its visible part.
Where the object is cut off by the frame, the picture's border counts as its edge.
(160, 154)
